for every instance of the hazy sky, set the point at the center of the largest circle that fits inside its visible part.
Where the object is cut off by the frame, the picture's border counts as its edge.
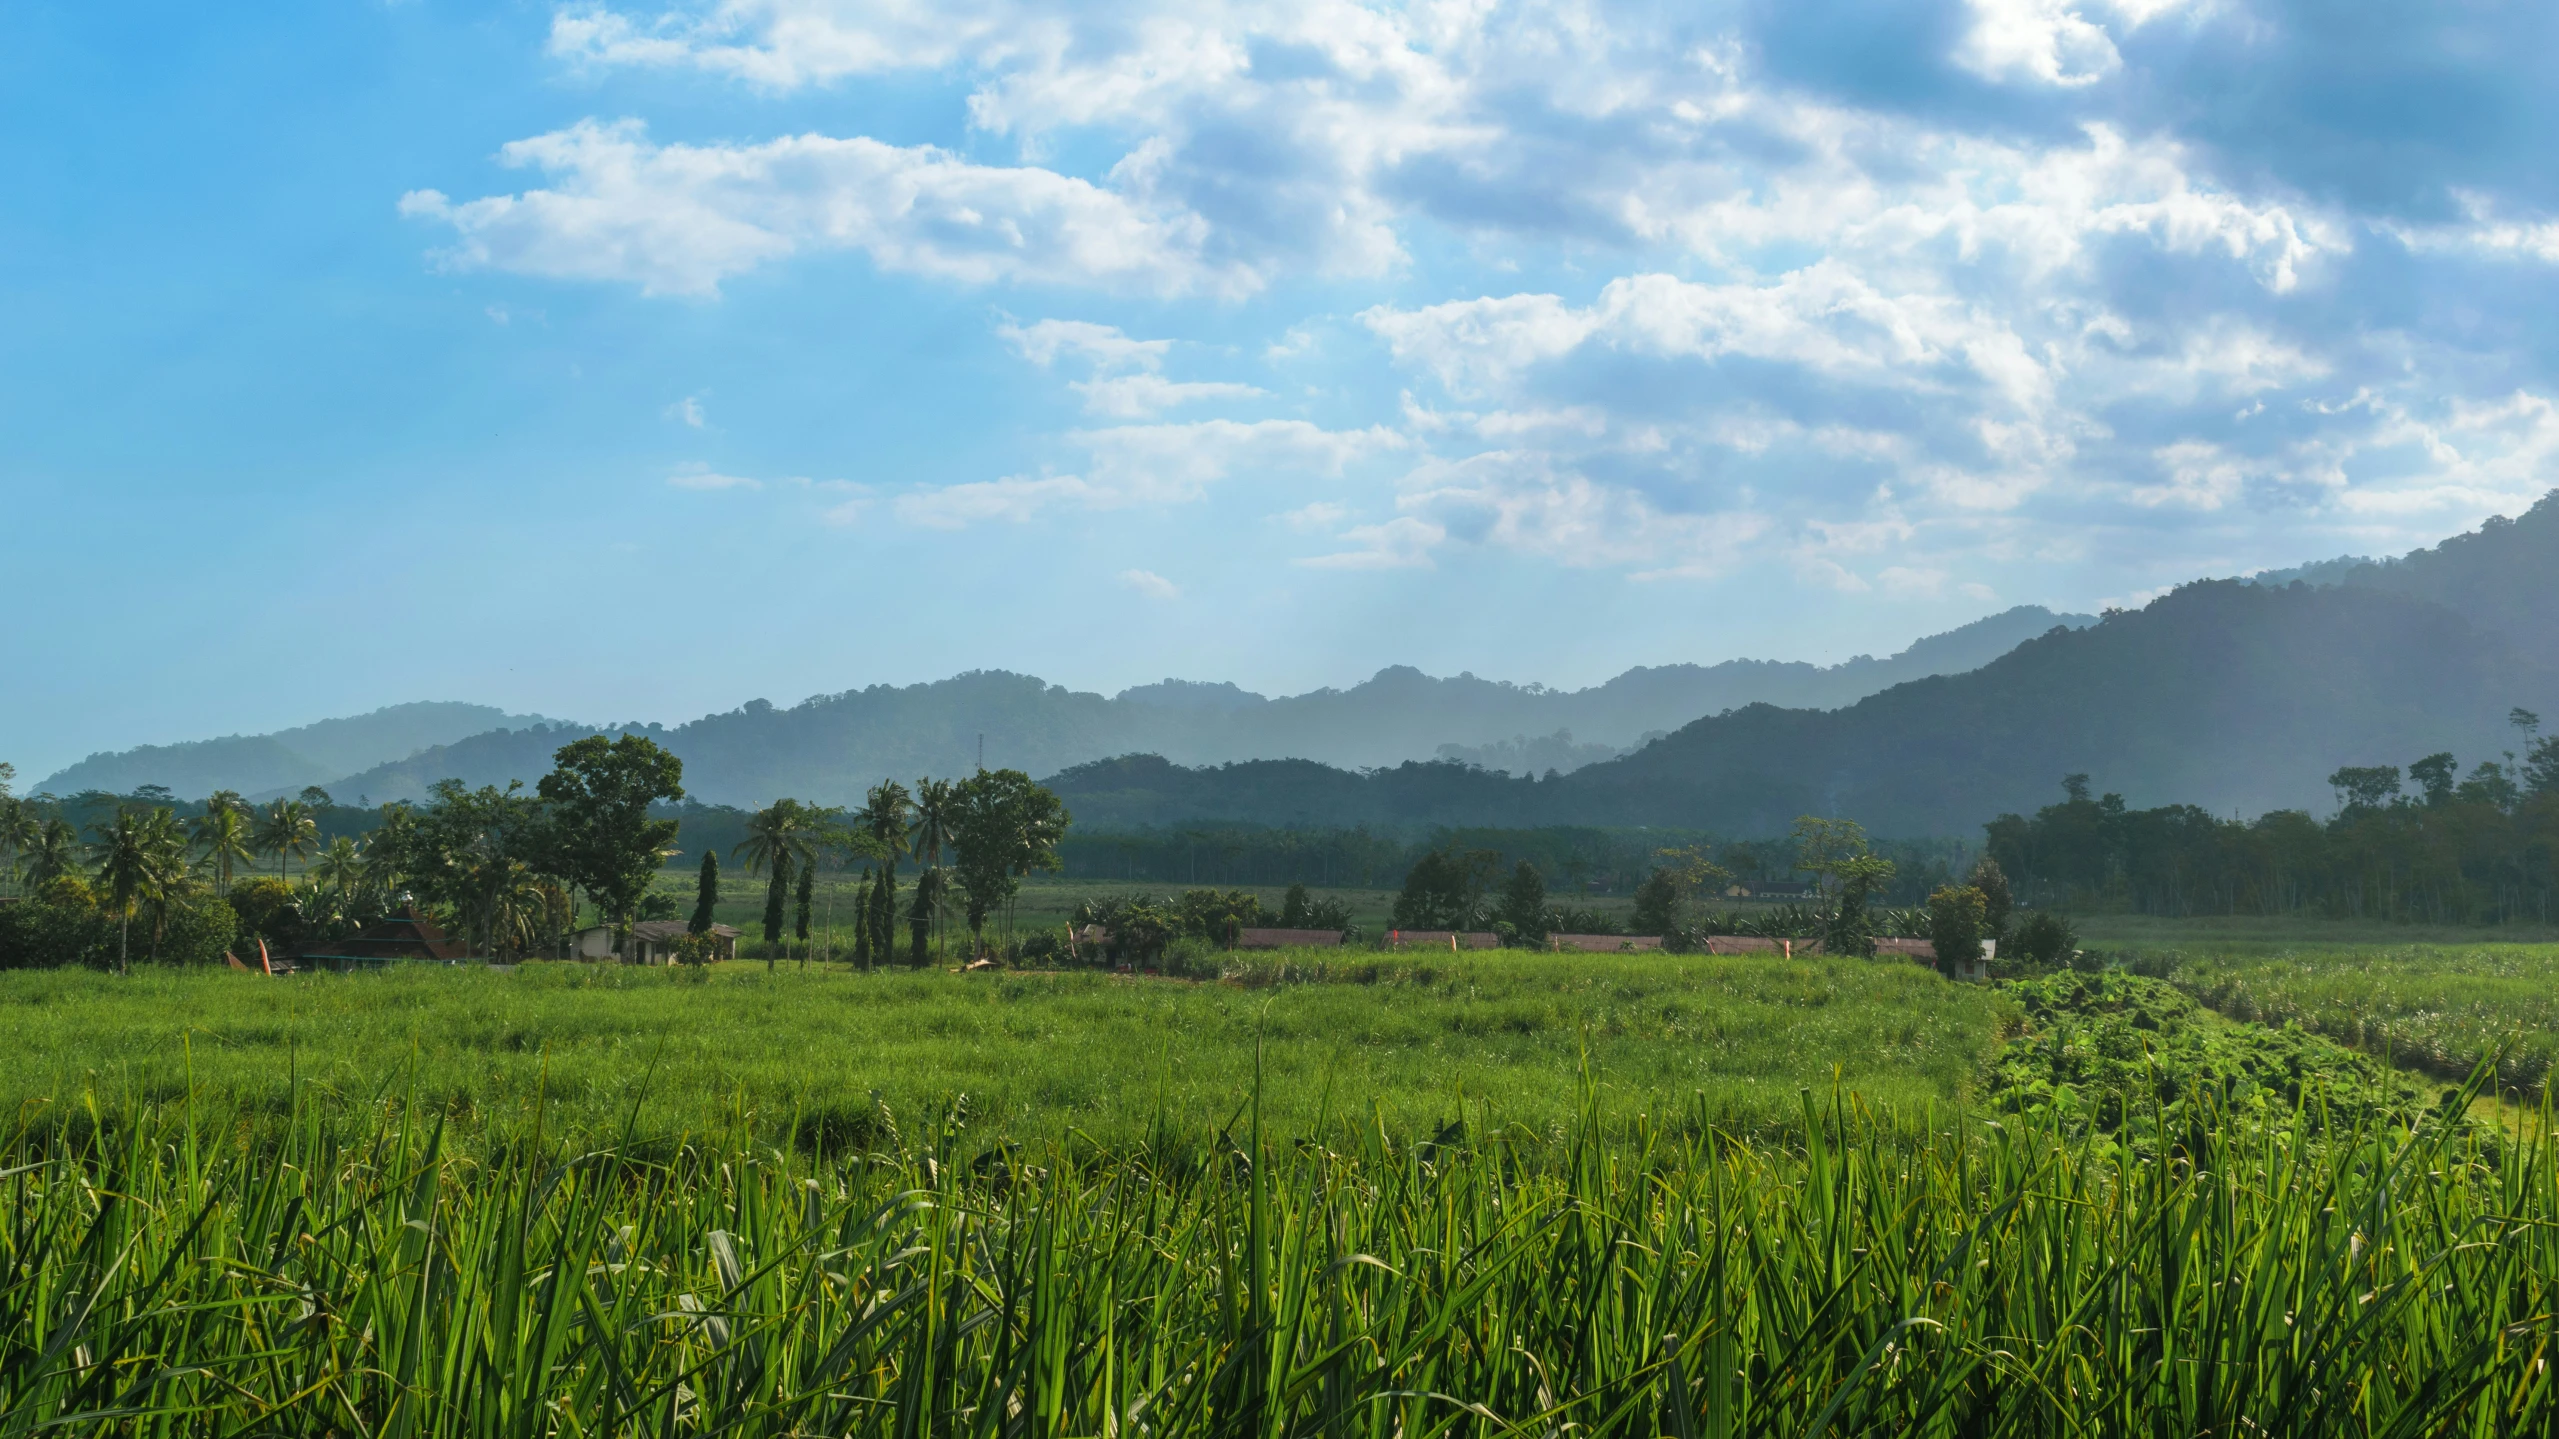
(616, 361)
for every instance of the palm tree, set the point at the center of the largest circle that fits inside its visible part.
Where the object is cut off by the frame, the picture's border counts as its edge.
(777, 836)
(937, 814)
(19, 832)
(223, 833)
(286, 831)
(140, 859)
(53, 853)
(340, 866)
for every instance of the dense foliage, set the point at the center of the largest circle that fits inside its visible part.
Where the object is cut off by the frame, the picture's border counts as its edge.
(2477, 849)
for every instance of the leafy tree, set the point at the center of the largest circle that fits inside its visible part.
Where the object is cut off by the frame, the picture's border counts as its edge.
(1998, 900)
(1445, 889)
(1004, 827)
(286, 831)
(57, 924)
(2541, 767)
(1958, 921)
(1658, 903)
(1216, 915)
(2489, 785)
(2434, 776)
(2361, 788)
(602, 839)
(2076, 787)
(315, 798)
(484, 857)
(706, 894)
(1851, 929)
(2045, 938)
(1301, 910)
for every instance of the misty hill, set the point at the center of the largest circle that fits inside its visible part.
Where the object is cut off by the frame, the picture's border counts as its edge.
(2499, 576)
(2223, 694)
(257, 765)
(830, 748)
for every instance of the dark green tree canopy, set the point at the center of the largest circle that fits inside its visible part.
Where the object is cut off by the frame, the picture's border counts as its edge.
(600, 793)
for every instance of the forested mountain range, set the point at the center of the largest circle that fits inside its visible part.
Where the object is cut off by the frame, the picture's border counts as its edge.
(831, 747)
(287, 759)
(2224, 694)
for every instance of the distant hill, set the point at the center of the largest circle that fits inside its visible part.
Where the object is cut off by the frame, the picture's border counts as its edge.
(259, 765)
(831, 748)
(2499, 576)
(2222, 694)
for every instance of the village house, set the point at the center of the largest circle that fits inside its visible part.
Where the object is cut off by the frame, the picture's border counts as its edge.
(651, 941)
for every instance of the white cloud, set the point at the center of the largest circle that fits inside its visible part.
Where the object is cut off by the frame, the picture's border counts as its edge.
(1106, 347)
(1401, 543)
(1136, 396)
(1151, 584)
(680, 219)
(694, 475)
(1149, 466)
(688, 411)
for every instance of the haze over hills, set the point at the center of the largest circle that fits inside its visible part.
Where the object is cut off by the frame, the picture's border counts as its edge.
(2231, 695)
(257, 765)
(832, 747)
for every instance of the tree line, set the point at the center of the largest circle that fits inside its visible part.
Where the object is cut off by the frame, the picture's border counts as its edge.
(2425, 842)
(508, 870)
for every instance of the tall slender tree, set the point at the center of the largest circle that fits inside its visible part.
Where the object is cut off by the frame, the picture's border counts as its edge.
(862, 957)
(20, 831)
(706, 894)
(54, 852)
(807, 902)
(776, 836)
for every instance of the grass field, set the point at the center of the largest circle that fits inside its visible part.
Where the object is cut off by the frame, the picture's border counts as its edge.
(1689, 1195)
(1417, 1041)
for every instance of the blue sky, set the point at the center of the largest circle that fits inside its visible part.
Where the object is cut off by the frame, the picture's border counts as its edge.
(631, 361)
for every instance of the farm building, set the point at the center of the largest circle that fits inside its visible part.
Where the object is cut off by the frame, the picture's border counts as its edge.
(406, 935)
(1441, 939)
(1287, 938)
(1604, 943)
(652, 941)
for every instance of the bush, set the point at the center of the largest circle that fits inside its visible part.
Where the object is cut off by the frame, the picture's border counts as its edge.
(1301, 910)
(1956, 918)
(696, 949)
(60, 925)
(267, 908)
(2044, 940)
(198, 930)
(1041, 947)
(1191, 957)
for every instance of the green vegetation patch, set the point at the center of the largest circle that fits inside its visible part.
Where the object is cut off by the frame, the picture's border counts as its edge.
(2442, 1008)
(1412, 1042)
(2133, 1056)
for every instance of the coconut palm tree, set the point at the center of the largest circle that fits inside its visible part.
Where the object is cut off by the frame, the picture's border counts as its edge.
(222, 832)
(19, 832)
(341, 867)
(778, 836)
(141, 857)
(286, 831)
(53, 853)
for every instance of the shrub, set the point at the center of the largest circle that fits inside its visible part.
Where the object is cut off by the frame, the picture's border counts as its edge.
(60, 925)
(267, 908)
(1041, 947)
(1956, 918)
(197, 930)
(1193, 958)
(2044, 939)
(696, 949)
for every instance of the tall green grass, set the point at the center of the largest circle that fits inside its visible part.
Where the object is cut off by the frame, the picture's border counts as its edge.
(2442, 1008)
(169, 1272)
(1035, 1056)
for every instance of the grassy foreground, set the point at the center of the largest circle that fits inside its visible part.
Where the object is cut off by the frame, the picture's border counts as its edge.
(166, 1275)
(1414, 1042)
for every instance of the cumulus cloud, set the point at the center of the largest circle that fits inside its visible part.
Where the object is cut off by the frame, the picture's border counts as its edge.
(680, 219)
(1978, 277)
